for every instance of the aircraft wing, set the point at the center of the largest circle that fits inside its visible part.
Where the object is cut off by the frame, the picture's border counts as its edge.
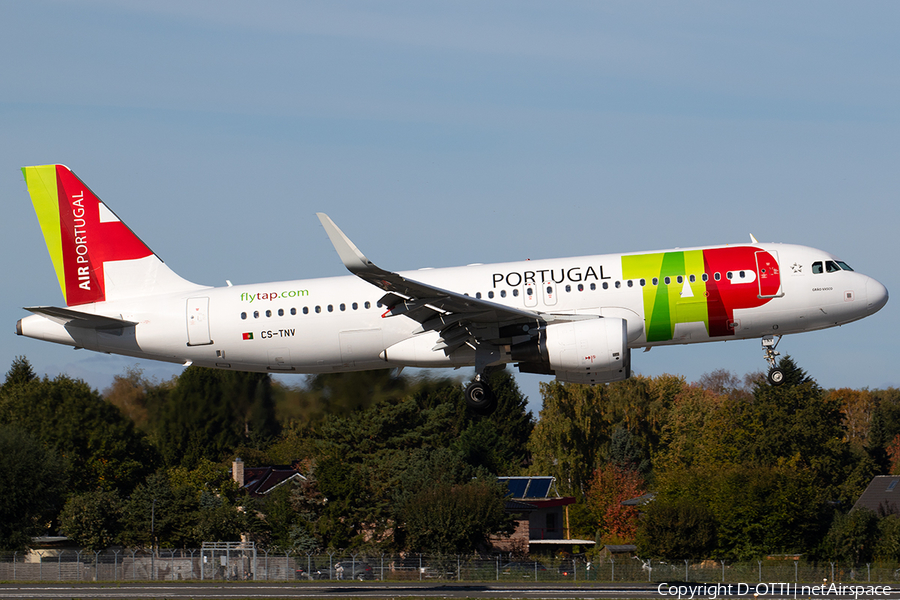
(74, 318)
(457, 316)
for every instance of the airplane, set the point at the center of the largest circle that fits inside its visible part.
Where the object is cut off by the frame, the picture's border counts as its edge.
(577, 319)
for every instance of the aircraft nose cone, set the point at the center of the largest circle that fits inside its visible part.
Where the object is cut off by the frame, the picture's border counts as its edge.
(876, 295)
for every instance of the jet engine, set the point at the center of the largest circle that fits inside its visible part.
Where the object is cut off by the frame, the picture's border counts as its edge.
(589, 351)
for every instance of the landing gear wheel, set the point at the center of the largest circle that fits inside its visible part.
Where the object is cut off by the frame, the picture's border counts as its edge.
(480, 398)
(775, 376)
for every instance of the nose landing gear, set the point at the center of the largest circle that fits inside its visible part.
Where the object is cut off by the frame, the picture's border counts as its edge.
(775, 376)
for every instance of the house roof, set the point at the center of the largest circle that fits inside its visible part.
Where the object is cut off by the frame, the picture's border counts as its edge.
(881, 496)
(640, 500)
(259, 481)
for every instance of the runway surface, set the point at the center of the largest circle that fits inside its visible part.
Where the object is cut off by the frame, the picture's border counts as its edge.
(287, 590)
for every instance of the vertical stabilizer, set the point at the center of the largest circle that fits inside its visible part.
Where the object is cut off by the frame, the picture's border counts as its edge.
(95, 255)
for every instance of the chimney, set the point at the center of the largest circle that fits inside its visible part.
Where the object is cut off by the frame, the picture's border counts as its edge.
(237, 471)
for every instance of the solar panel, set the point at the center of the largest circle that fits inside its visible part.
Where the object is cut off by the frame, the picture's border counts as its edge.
(517, 487)
(540, 487)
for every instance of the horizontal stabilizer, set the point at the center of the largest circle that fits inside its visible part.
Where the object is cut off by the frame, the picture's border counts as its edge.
(74, 318)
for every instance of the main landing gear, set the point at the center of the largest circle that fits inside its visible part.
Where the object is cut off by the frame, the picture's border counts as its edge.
(479, 396)
(775, 376)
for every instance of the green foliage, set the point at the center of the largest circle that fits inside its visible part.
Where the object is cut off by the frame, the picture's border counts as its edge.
(92, 519)
(577, 423)
(766, 467)
(677, 528)
(447, 518)
(209, 413)
(178, 509)
(101, 448)
(33, 481)
(851, 538)
(20, 372)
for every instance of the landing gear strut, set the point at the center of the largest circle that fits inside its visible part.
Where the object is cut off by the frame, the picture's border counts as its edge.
(775, 376)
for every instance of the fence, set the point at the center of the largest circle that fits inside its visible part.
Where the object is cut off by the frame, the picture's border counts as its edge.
(237, 562)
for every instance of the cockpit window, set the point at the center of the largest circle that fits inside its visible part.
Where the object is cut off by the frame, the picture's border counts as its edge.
(831, 266)
(817, 268)
(844, 266)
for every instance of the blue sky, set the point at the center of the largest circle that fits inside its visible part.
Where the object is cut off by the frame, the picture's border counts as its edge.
(439, 134)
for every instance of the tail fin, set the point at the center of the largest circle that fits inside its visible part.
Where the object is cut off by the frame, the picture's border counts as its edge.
(96, 256)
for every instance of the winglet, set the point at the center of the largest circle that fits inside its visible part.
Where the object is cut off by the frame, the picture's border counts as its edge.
(753, 239)
(353, 259)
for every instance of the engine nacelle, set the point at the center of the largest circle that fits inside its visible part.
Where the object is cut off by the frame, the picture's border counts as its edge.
(590, 351)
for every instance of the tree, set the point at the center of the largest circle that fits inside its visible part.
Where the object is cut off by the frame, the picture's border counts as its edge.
(101, 448)
(92, 519)
(20, 372)
(677, 528)
(209, 413)
(447, 518)
(33, 481)
(610, 486)
(852, 537)
(569, 435)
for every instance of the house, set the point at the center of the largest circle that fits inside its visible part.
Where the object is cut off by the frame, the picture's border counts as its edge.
(259, 481)
(542, 518)
(882, 496)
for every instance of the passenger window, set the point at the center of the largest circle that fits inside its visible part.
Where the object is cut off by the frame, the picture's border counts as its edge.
(255, 314)
(568, 288)
(668, 280)
(367, 304)
(729, 275)
(305, 310)
(717, 277)
(268, 313)
(516, 292)
(343, 307)
(243, 315)
(630, 283)
(704, 277)
(503, 293)
(330, 308)
(580, 287)
(643, 282)
(293, 311)
(605, 285)
(618, 284)
(490, 294)
(679, 279)
(354, 306)
(693, 278)
(318, 309)
(656, 281)
(593, 287)
(280, 312)
(529, 292)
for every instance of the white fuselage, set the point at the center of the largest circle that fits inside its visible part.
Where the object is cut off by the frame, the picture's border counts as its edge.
(337, 324)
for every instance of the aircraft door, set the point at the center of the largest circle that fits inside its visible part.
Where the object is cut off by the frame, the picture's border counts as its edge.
(768, 274)
(198, 322)
(530, 292)
(548, 292)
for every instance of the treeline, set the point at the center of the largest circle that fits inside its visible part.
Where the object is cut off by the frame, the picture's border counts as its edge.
(734, 469)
